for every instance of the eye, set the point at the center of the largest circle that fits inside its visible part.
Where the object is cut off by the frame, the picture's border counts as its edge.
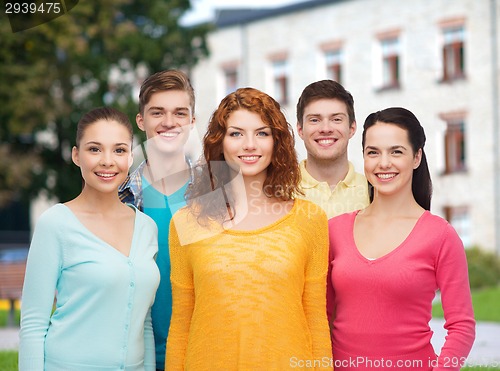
(371, 152)
(181, 114)
(121, 150)
(234, 134)
(94, 149)
(397, 152)
(314, 120)
(156, 113)
(263, 134)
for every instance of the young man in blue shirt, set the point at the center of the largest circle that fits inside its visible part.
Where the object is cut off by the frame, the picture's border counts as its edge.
(158, 185)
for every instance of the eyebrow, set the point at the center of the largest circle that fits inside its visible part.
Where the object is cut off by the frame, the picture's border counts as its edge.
(163, 109)
(391, 147)
(100, 144)
(332, 114)
(261, 128)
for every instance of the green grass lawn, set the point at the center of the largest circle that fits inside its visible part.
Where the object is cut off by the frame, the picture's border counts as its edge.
(486, 304)
(4, 316)
(8, 360)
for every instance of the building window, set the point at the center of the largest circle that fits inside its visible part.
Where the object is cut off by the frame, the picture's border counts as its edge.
(333, 61)
(280, 81)
(455, 147)
(459, 218)
(453, 53)
(390, 63)
(230, 80)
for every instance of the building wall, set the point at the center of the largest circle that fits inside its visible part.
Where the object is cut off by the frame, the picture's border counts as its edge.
(356, 25)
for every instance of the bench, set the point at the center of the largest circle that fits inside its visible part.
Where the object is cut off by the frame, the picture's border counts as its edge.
(11, 285)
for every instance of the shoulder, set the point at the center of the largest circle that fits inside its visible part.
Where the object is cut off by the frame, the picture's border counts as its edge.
(188, 229)
(429, 221)
(438, 227)
(309, 209)
(56, 214)
(342, 219)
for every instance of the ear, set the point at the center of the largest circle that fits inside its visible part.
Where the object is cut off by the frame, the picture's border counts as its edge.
(300, 130)
(352, 129)
(417, 159)
(140, 122)
(74, 156)
(193, 122)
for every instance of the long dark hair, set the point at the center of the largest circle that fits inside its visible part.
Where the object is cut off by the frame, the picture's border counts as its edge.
(421, 185)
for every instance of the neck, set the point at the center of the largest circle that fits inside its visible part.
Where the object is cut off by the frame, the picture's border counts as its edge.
(161, 166)
(97, 202)
(402, 204)
(330, 171)
(252, 196)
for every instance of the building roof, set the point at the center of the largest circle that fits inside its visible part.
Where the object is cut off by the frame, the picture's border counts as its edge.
(239, 16)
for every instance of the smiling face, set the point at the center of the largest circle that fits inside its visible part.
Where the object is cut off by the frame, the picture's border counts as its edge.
(167, 121)
(248, 144)
(325, 129)
(104, 155)
(389, 159)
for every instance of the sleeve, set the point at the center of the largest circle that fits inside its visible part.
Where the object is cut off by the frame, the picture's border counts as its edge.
(314, 296)
(453, 282)
(43, 267)
(182, 302)
(149, 344)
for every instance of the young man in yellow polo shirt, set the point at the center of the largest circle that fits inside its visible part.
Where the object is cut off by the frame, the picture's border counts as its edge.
(326, 122)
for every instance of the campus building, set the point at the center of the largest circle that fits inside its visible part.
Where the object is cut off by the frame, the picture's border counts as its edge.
(438, 58)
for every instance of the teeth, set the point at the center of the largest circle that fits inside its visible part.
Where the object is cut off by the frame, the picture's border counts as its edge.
(106, 175)
(386, 176)
(169, 134)
(249, 158)
(326, 141)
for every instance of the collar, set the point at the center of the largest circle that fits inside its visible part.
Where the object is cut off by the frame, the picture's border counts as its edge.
(309, 182)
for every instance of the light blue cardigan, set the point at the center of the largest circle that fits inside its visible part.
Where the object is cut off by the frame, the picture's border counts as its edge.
(102, 318)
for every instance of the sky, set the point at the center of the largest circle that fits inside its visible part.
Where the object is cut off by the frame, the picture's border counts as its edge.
(203, 10)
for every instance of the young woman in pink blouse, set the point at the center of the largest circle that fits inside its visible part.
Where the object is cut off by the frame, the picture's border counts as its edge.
(388, 260)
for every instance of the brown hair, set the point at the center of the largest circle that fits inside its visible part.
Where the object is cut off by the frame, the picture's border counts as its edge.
(325, 89)
(98, 114)
(163, 81)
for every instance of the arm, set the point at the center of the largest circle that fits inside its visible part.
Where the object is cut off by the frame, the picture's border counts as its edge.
(42, 273)
(314, 296)
(182, 303)
(149, 344)
(453, 282)
(330, 293)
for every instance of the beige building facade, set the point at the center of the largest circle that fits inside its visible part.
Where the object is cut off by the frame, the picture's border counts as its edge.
(438, 58)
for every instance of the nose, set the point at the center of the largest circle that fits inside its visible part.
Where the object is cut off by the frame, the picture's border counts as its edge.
(325, 126)
(106, 158)
(385, 161)
(249, 143)
(168, 120)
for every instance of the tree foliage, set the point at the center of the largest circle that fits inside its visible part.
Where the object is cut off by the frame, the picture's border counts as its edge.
(92, 56)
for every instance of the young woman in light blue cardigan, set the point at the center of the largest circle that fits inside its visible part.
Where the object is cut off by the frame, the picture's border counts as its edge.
(96, 255)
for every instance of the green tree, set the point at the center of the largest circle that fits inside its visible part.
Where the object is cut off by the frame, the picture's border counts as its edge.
(51, 74)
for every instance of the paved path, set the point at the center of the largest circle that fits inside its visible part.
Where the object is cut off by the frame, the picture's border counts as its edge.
(484, 352)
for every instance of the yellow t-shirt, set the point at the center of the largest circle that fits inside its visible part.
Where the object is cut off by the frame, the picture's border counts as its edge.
(250, 300)
(350, 194)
